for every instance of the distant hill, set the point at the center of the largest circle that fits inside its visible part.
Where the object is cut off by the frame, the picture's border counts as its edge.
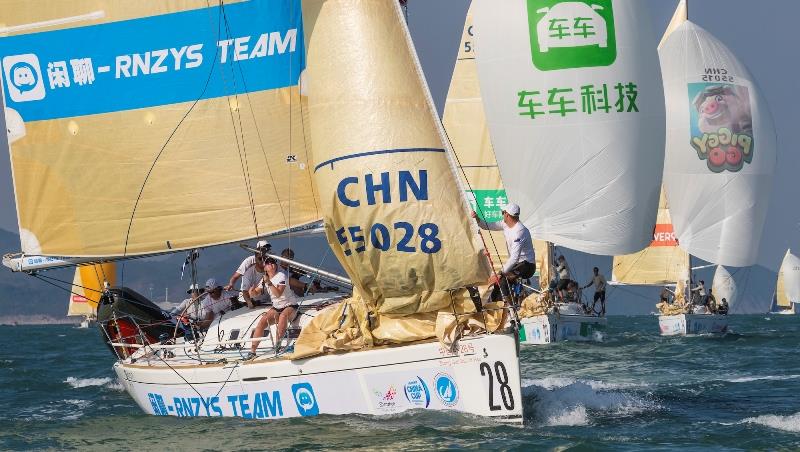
(159, 279)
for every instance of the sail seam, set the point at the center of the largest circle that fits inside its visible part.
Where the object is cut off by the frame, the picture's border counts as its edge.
(369, 153)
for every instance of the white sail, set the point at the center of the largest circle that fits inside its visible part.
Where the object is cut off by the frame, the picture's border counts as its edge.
(788, 289)
(574, 101)
(724, 286)
(720, 148)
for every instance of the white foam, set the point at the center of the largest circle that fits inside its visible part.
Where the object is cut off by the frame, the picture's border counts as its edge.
(568, 402)
(786, 423)
(86, 382)
(767, 377)
(115, 385)
(570, 418)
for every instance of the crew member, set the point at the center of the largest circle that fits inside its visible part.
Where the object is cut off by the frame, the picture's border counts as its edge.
(564, 275)
(249, 272)
(190, 307)
(699, 291)
(521, 257)
(215, 303)
(599, 282)
(298, 287)
(284, 305)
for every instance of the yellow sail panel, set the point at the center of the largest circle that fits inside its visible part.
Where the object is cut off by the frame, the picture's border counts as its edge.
(663, 262)
(680, 16)
(87, 287)
(393, 211)
(465, 123)
(544, 262)
(142, 127)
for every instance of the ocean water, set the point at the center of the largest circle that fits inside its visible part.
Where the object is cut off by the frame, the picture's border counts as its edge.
(635, 390)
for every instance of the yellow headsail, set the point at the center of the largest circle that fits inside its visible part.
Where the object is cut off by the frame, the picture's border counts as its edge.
(393, 210)
(126, 143)
(87, 287)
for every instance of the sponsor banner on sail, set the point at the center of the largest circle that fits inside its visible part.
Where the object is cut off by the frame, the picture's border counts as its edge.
(720, 148)
(664, 235)
(393, 209)
(575, 121)
(138, 127)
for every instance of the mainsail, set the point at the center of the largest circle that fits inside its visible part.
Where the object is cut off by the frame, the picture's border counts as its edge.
(788, 287)
(724, 286)
(394, 212)
(661, 263)
(87, 287)
(720, 147)
(574, 101)
(130, 143)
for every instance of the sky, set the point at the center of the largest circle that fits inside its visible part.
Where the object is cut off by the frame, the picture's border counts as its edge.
(761, 33)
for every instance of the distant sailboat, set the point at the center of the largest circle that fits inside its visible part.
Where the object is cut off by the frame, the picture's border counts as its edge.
(573, 121)
(720, 154)
(787, 290)
(88, 285)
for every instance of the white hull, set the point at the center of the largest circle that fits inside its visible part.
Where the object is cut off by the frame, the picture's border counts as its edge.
(482, 378)
(682, 324)
(549, 328)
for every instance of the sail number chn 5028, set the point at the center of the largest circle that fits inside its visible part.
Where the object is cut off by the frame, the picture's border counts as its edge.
(374, 189)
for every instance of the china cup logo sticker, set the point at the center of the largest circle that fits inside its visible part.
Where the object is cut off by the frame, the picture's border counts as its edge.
(417, 393)
(446, 389)
(721, 125)
(23, 77)
(305, 399)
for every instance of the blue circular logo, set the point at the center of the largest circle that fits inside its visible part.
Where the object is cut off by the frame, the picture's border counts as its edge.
(446, 389)
(417, 393)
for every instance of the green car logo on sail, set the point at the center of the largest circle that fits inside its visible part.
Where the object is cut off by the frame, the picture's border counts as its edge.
(571, 34)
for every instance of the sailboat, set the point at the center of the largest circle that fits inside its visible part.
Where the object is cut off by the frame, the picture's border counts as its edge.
(570, 116)
(787, 289)
(88, 285)
(263, 118)
(720, 153)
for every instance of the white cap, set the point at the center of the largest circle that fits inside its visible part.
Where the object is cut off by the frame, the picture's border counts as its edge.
(192, 288)
(262, 244)
(211, 284)
(511, 209)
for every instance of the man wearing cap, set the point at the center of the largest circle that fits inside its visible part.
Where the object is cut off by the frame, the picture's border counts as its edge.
(521, 257)
(250, 271)
(215, 302)
(190, 307)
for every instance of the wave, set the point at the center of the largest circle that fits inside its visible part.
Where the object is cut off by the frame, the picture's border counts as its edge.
(86, 382)
(789, 423)
(767, 377)
(568, 402)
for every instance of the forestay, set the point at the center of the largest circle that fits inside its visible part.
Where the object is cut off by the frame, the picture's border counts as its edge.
(392, 204)
(129, 143)
(574, 101)
(720, 148)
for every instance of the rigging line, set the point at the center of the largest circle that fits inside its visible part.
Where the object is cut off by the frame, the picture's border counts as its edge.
(160, 153)
(305, 149)
(261, 142)
(469, 185)
(241, 147)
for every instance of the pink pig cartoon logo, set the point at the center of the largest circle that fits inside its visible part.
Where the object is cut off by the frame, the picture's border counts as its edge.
(722, 125)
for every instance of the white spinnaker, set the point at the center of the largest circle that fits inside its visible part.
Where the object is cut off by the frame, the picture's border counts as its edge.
(717, 191)
(789, 280)
(724, 286)
(586, 181)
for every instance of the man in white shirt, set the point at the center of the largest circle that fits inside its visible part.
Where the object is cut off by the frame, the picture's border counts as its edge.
(215, 302)
(521, 261)
(599, 282)
(250, 271)
(564, 276)
(700, 292)
(190, 307)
